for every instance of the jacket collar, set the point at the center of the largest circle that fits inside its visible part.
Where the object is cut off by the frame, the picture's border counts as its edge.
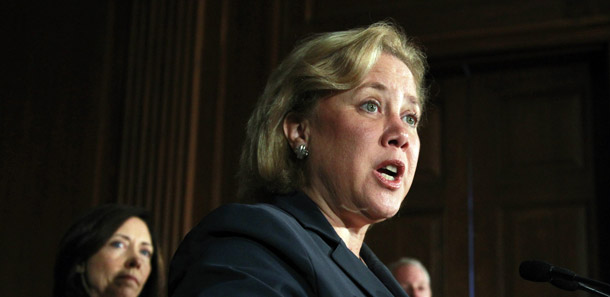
(376, 279)
(304, 210)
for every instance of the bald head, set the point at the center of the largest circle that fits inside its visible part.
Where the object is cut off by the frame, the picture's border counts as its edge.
(413, 277)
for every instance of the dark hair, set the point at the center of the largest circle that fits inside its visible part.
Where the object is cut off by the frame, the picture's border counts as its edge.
(87, 236)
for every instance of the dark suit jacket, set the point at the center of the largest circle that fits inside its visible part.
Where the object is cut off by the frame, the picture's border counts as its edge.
(286, 248)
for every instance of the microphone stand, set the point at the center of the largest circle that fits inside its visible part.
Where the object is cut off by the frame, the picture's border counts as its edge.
(583, 281)
(591, 290)
(576, 282)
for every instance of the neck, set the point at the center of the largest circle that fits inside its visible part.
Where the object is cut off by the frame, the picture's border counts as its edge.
(353, 238)
(347, 224)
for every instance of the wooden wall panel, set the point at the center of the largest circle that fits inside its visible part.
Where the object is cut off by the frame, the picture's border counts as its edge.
(452, 96)
(554, 98)
(531, 153)
(556, 140)
(557, 233)
(472, 25)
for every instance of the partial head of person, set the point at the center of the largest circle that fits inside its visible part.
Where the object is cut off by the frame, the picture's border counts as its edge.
(338, 119)
(412, 276)
(110, 251)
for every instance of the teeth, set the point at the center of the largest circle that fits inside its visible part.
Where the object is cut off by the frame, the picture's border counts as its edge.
(391, 168)
(388, 177)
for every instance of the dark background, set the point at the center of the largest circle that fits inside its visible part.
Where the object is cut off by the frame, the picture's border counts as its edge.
(145, 103)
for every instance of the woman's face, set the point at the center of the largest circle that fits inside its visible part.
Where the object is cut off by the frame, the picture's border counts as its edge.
(122, 266)
(364, 145)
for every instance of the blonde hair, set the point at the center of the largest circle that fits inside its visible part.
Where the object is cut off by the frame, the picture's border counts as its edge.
(318, 67)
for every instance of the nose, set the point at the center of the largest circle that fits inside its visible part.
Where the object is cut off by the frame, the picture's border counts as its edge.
(133, 261)
(396, 133)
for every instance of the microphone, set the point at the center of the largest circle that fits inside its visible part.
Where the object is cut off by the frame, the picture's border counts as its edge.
(539, 271)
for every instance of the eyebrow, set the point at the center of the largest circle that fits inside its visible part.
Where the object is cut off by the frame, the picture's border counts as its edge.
(381, 87)
(129, 239)
(374, 85)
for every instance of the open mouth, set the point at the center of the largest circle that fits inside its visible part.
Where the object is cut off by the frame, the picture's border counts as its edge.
(389, 172)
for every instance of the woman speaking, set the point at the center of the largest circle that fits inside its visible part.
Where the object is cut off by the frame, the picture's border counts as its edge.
(331, 148)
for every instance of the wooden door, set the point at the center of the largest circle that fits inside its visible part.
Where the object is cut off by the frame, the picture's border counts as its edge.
(506, 174)
(533, 189)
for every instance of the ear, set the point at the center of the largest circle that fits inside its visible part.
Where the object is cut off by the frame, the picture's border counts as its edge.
(296, 129)
(80, 268)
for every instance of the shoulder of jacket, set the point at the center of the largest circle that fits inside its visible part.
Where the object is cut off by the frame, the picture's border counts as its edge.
(252, 220)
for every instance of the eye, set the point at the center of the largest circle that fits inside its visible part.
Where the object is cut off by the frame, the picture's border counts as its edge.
(370, 106)
(410, 119)
(146, 253)
(117, 244)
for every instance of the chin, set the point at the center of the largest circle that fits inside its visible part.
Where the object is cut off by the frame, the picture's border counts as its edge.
(391, 213)
(390, 209)
(378, 207)
(379, 214)
(126, 292)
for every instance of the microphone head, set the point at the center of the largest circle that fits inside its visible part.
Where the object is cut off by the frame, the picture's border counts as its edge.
(536, 271)
(566, 284)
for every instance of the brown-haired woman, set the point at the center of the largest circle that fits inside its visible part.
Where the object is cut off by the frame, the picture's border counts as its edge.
(110, 251)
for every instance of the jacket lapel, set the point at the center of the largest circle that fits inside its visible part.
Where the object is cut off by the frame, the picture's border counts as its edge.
(381, 271)
(358, 272)
(376, 280)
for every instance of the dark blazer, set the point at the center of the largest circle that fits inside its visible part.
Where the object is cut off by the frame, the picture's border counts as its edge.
(286, 248)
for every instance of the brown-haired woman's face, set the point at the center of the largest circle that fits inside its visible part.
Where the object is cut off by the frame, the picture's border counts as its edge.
(364, 144)
(122, 266)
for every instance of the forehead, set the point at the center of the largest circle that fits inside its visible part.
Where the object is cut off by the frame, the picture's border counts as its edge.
(391, 74)
(135, 228)
(410, 273)
(392, 64)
